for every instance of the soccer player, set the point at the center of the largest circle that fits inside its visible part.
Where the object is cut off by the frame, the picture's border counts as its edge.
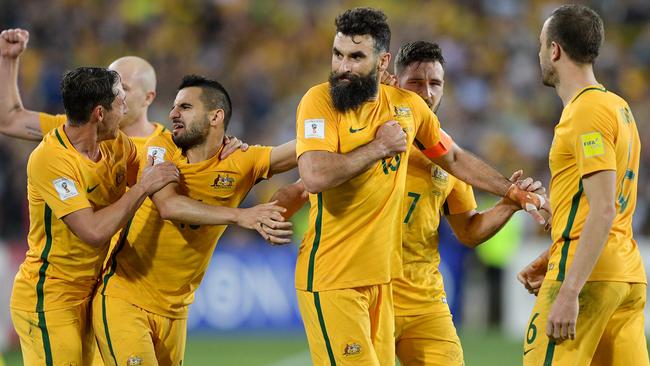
(352, 143)
(589, 309)
(77, 178)
(424, 331)
(141, 307)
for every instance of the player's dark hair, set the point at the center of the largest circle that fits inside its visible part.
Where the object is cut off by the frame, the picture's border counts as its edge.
(578, 30)
(362, 21)
(418, 51)
(85, 88)
(213, 96)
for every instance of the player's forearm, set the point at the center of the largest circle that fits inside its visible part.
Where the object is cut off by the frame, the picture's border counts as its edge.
(484, 225)
(474, 171)
(590, 245)
(9, 96)
(106, 222)
(292, 197)
(189, 211)
(283, 157)
(324, 170)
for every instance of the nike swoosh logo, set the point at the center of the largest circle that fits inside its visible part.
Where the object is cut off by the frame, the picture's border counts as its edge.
(91, 189)
(355, 130)
(525, 352)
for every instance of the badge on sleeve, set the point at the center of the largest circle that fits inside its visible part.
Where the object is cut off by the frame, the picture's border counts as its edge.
(158, 154)
(315, 128)
(65, 188)
(592, 144)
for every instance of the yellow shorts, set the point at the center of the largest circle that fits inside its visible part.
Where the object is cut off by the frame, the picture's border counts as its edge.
(609, 329)
(56, 337)
(350, 326)
(428, 339)
(129, 335)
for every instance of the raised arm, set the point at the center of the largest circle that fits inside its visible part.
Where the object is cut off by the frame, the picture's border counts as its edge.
(15, 120)
(322, 170)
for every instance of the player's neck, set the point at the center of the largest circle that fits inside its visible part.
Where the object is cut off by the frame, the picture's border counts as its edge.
(140, 128)
(208, 149)
(573, 79)
(84, 138)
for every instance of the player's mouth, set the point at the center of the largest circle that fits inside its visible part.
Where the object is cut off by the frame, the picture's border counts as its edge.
(177, 126)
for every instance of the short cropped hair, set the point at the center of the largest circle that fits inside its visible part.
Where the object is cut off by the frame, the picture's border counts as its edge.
(213, 94)
(85, 88)
(418, 51)
(365, 21)
(578, 30)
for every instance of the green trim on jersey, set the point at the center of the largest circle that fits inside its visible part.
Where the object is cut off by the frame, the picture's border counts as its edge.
(315, 244)
(566, 234)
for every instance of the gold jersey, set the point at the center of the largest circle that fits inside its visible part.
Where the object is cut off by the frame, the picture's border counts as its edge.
(354, 236)
(60, 270)
(49, 122)
(159, 264)
(596, 132)
(430, 193)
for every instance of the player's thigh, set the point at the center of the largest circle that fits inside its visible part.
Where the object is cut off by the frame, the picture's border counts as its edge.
(51, 337)
(597, 304)
(429, 339)
(624, 342)
(169, 339)
(338, 327)
(123, 332)
(382, 323)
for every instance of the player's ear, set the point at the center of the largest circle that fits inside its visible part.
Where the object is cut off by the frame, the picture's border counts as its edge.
(149, 97)
(216, 116)
(384, 61)
(556, 51)
(98, 113)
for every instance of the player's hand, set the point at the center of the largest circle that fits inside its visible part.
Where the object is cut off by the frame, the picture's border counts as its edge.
(388, 78)
(154, 177)
(533, 274)
(13, 42)
(268, 221)
(562, 318)
(530, 201)
(390, 139)
(230, 145)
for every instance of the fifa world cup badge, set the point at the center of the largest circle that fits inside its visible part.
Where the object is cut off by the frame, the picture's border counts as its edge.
(134, 360)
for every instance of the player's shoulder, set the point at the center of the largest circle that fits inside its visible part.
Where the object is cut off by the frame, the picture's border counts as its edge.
(596, 99)
(159, 129)
(405, 98)
(252, 154)
(318, 92)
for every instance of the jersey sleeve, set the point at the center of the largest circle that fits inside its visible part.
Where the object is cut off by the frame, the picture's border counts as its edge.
(160, 148)
(133, 162)
(460, 199)
(316, 123)
(429, 138)
(594, 138)
(261, 163)
(58, 182)
(49, 122)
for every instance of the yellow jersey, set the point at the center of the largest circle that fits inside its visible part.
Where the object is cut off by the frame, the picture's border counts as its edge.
(430, 193)
(60, 270)
(596, 132)
(159, 263)
(354, 237)
(49, 122)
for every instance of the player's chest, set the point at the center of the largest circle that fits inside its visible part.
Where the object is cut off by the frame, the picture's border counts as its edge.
(104, 182)
(560, 156)
(224, 187)
(357, 128)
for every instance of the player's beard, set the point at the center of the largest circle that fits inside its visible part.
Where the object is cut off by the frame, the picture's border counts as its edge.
(549, 75)
(195, 134)
(354, 92)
